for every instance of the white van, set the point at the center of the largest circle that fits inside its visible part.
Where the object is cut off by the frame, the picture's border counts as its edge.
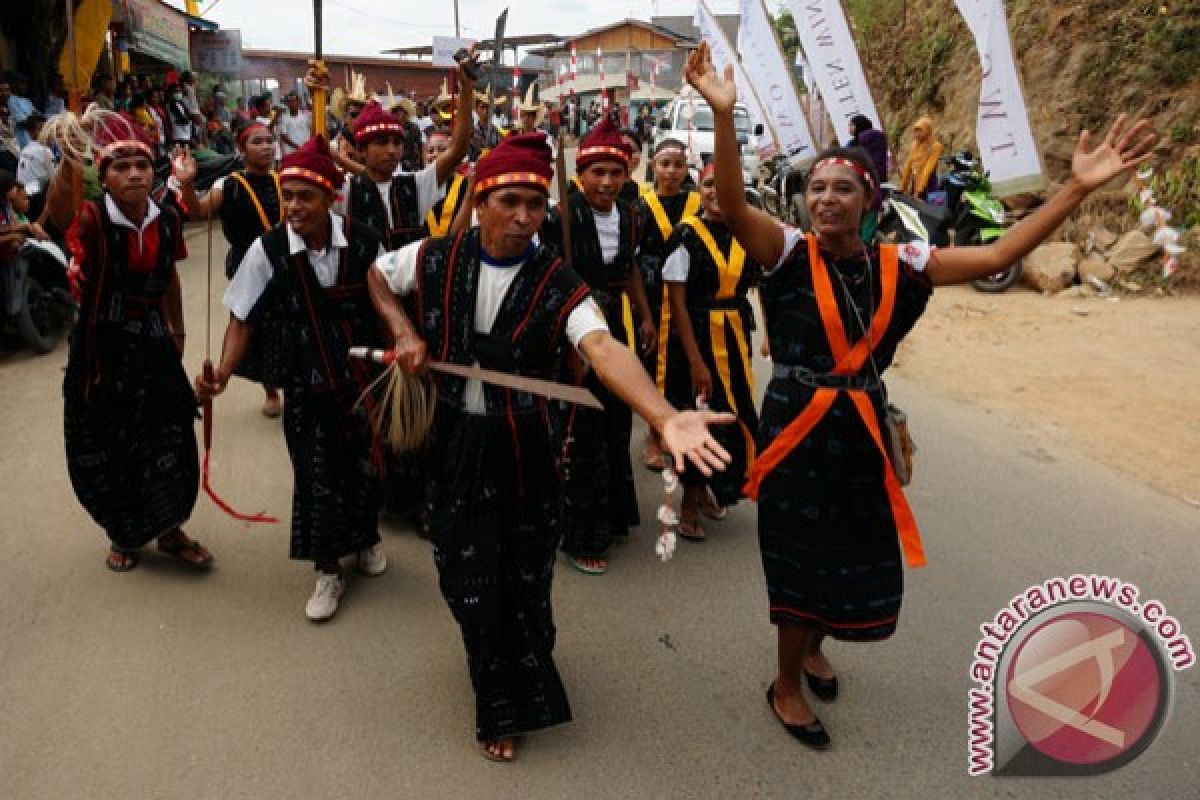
(689, 119)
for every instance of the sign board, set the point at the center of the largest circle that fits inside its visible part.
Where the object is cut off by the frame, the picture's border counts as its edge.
(217, 51)
(444, 48)
(158, 30)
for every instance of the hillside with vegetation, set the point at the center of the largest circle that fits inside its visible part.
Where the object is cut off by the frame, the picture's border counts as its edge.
(1081, 63)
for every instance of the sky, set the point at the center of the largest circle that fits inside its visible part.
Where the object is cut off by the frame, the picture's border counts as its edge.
(365, 27)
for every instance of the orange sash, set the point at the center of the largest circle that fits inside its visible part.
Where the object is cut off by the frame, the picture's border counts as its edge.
(849, 360)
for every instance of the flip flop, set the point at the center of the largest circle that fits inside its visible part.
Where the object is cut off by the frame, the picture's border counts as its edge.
(490, 756)
(710, 509)
(585, 569)
(199, 557)
(128, 560)
(692, 532)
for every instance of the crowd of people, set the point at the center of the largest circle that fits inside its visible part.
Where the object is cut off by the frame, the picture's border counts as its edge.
(429, 235)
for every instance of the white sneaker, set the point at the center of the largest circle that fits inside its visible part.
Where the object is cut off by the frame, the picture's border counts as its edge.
(324, 601)
(372, 561)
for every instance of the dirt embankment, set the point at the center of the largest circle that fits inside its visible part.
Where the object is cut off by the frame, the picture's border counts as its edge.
(1114, 378)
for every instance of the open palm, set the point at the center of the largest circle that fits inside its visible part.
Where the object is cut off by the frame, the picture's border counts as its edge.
(700, 72)
(1121, 151)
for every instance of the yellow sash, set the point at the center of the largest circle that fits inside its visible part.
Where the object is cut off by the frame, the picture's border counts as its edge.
(258, 206)
(729, 271)
(439, 227)
(659, 213)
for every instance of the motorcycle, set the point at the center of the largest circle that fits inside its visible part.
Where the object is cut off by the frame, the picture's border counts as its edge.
(978, 216)
(903, 218)
(782, 189)
(34, 294)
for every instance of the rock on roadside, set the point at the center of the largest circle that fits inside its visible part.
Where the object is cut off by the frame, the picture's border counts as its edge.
(1051, 267)
(1131, 251)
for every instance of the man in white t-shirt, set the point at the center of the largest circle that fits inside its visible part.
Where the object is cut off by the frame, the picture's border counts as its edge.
(494, 297)
(294, 126)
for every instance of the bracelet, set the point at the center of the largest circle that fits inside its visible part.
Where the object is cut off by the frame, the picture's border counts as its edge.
(177, 334)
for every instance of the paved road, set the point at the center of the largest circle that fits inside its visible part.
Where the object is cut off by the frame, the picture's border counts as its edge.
(163, 684)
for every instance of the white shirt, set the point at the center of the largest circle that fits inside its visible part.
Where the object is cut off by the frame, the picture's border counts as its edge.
(915, 254)
(118, 217)
(400, 269)
(677, 266)
(608, 230)
(298, 128)
(255, 271)
(35, 167)
(428, 193)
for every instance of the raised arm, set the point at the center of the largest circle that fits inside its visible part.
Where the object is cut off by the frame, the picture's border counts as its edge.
(1121, 151)
(759, 232)
(460, 141)
(198, 208)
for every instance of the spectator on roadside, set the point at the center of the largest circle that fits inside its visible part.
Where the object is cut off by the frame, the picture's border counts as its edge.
(179, 125)
(293, 127)
(56, 96)
(863, 134)
(103, 92)
(36, 165)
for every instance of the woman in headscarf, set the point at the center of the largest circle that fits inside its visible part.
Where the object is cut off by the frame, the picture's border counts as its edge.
(918, 176)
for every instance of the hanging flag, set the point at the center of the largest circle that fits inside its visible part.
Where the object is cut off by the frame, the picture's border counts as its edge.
(1002, 130)
(767, 68)
(603, 90)
(722, 54)
(516, 92)
(836, 68)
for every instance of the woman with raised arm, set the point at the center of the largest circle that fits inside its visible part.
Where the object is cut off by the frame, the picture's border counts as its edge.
(832, 519)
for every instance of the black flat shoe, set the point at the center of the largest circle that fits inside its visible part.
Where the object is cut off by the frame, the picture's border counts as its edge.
(811, 735)
(826, 689)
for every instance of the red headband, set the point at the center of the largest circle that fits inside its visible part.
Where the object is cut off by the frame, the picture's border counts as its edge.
(837, 161)
(249, 129)
(112, 151)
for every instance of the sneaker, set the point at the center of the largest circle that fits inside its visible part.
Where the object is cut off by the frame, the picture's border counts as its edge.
(372, 561)
(324, 601)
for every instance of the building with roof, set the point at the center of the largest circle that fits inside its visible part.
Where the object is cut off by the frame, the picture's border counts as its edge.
(642, 62)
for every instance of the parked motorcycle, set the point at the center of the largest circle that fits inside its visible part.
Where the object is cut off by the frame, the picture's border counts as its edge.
(34, 295)
(903, 218)
(978, 216)
(782, 189)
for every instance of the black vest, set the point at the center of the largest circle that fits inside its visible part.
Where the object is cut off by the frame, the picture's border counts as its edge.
(321, 324)
(587, 257)
(366, 206)
(527, 336)
(239, 218)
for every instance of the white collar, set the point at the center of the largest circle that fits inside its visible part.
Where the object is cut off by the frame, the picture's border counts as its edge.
(337, 240)
(118, 216)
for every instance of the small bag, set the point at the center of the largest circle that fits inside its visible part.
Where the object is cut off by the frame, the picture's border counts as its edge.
(900, 445)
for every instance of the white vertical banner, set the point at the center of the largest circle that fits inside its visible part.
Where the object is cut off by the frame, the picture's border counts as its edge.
(722, 54)
(768, 71)
(836, 67)
(1002, 130)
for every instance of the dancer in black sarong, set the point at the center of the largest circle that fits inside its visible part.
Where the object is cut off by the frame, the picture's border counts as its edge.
(311, 274)
(249, 203)
(708, 277)
(833, 522)
(492, 296)
(129, 411)
(601, 502)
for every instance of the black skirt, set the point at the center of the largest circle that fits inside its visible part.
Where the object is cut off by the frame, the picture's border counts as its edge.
(829, 544)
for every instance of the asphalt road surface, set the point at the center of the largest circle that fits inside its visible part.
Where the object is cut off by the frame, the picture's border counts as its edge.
(161, 683)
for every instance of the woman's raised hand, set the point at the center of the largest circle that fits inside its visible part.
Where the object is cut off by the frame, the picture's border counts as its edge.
(720, 93)
(1121, 151)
